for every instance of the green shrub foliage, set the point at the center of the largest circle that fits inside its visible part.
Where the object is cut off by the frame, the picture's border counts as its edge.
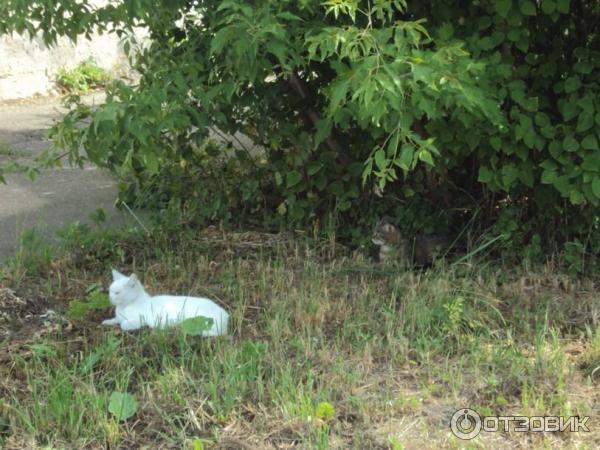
(437, 113)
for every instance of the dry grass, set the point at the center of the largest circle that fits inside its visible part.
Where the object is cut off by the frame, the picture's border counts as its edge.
(328, 350)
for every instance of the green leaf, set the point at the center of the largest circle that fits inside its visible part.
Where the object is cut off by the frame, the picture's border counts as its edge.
(528, 8)
(323, 127)
(563, 6)
(485, 175)
(548, 176)
(596, 186)
(380, 160)
(584, 67)
(151, 162)
(314, 167)
(338, 93)
(549, 132)
(513, 35)
(526, 175)
(570, 144)
(95, 301)
(576, 197)
(122, 405)
(405, 160)
(569, 111)
(529, 137)
(425, 156)
(542, 119)
(293, 178)
(503, 7)
(584, 122)
(337, 188)
(195, 326)
(509, 175)
(590, 142)
(496, 143)
(561, 183)
(572, 84)
(548, 6)
(198, 444)
(591, 162)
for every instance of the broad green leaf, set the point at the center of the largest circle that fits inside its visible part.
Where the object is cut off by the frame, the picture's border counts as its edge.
(198, 444)
(572, 84)
(503, 7)
(590, 142)
(528, 8)
(122, 405)
(425, 156)
(314, 168)
(585, 121)
(529, 137)
(336, 188)
(509, 175)
(323, 127)
(576, 197)
(591, 161)
(570, 144)
(542, 119)
(548, 176)
(561, 183)
(563, 6)
(548, 6)
(195, 326)
(380, 160)
(523, 44)
(338, 93)
(584, 67)
(496, 143)
(569, 111)
(485, 175)
(94, 301)
(405, 161)
(526, 175)
(549, 132)
(293, 178)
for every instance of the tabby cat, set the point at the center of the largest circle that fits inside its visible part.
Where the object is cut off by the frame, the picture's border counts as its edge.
(393, 247)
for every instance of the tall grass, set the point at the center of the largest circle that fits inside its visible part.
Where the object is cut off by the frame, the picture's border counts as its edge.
(327, 350)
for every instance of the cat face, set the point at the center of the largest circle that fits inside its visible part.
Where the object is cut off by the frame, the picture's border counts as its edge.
(385, 233)
(124, 290)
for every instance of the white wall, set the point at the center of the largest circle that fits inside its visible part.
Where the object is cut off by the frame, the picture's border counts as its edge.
(28, 67)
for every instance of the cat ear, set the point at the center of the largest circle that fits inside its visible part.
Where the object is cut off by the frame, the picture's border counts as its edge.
(133, 279)
(117, 275)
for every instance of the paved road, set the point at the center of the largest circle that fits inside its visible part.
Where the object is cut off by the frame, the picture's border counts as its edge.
(56, 198)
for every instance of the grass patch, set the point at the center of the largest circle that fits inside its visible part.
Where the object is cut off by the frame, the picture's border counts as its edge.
(84, 77)
(327, 350)
(7, 150)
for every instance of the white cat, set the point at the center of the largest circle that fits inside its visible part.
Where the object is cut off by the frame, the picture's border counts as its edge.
(135, 308)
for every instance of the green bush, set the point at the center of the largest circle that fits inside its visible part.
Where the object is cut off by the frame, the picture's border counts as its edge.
(492, 110)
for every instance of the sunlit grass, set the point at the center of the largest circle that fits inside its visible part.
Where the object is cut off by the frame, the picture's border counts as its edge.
(327, 350)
